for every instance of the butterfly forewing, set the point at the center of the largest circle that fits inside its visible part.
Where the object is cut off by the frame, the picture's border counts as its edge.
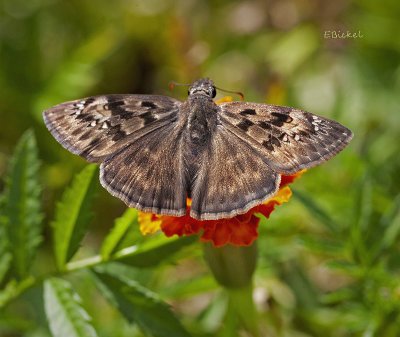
(289, 139)
(99, 126)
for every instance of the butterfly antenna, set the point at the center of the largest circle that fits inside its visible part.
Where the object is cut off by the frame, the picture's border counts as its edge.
(173, 83)
(232, 92)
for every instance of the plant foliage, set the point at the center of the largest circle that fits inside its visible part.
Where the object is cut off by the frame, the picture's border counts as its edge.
(73, 215)
(64, 312)
(20, 226)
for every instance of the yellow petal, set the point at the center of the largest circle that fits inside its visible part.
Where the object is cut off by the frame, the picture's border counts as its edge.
(224, 100)
(283, 195)
(149, 223)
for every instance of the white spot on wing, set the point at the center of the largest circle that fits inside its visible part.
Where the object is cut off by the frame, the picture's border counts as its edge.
(80, 106)
(93, 123)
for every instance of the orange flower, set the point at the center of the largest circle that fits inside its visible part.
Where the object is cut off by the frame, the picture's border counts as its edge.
(240, 230)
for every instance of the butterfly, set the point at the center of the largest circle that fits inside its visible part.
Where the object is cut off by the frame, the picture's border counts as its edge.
(156, 151)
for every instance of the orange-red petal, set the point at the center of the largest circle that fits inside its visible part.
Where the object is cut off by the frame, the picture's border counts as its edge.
(289, 179)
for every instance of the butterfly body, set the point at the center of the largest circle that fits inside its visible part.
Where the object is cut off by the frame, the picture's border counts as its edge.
(201, 119)
(155, 151)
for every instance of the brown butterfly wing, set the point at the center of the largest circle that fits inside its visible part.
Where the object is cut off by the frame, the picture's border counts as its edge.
(96, 127)
(137, 140)
(289, 139)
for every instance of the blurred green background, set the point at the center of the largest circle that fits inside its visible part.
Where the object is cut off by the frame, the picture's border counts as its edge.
(329, 260)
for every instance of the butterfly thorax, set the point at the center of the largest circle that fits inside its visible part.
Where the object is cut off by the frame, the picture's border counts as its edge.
(200, 119)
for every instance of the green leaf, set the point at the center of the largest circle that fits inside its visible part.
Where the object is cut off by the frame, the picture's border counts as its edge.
(13, 289)
(298, 280)
(363, 205)
(318, 212)
(5, 255)
(64, 312)
(391, 223)
(73, 215)
(5, 263)
(119, 231)
(11, 321)
(338, 296)
(21, 206)
(191, 287)
(159, 249)
(329, 246)
(138, 304)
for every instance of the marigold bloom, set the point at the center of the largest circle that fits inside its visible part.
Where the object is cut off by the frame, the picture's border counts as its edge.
(240, 230)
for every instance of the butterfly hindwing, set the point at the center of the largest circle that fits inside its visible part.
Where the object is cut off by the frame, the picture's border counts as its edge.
(148, 174)
(289, 139)
(232, 178)
(96, 127)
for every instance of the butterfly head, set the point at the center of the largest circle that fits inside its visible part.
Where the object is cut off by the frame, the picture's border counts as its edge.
(203, 86)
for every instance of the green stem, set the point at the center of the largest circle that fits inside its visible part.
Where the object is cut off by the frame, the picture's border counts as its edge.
(233, 267)
(241, 306)
(90, 262)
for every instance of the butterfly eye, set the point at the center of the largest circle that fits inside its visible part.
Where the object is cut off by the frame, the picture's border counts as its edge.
(214, 92)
